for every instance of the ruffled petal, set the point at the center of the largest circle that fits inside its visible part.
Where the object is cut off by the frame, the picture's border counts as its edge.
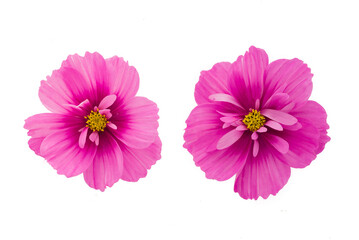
(309, 140)
(79, 78)
(288, 76)
(204, 129)
(223, 164)
(62, 151)
(42, 125)
(123, 79)
(211, 82)
(302, 146)
(136, 162)
(262, 175)
(107, 166)
(136, 122)
(313, 113)
(246, 77)
(92, 69)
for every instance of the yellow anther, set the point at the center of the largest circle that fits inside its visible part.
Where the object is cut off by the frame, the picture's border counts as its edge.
(254, 120)
(96, 121)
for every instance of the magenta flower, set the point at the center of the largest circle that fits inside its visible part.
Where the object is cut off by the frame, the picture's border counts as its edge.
(98, 126)
(254, 120)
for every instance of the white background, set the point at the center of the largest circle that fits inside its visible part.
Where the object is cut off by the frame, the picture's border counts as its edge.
(170, 43)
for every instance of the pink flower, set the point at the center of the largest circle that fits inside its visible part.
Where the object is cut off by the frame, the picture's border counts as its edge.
(254, 120)
(98, 126)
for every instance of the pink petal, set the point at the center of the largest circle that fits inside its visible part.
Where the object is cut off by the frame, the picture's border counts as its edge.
(61, 150)
(83, 136)
(136, 162)
(107, 102)
(106, 112)
(302, 146)
(241, 128)
(314, 114)
(279, 116)
(92, 76)
(229, 119)
(294, 127)
(223, 164)
(107, 166)
(255, 148)
(274, 125)
(94, 137)
(42, 125)
(79, 110)
(277, 142)
(261, 176)
(262, 130)
(204, 129)
(52, 97)
(246, 77)
(35, 143)
(309, 140)
(211, 82)
(229, 138)
(289, 76)
(123, 79)
(254, 136)
(222, 97)
(136, 122)
(111, 125)
(277, 101)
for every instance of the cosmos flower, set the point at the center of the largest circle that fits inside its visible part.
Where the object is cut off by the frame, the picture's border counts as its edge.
(98, 126)
(254, 120)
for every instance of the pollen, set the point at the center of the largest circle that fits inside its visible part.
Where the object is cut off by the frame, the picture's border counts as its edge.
(96, 121)
(254, 120)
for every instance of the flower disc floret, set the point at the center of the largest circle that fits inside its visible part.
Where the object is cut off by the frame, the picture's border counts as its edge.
(96, 121)
(254, 120)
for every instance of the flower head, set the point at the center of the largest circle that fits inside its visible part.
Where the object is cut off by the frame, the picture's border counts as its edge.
(254, 120)
(98, 126)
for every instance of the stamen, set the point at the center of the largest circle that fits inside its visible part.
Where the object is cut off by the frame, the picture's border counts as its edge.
(96, 121)
(254, 120)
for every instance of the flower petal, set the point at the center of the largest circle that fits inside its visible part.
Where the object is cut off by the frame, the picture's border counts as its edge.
(262, 175)
(246, 77)
(107, 101)
(123, 79)
(83, 136)
(289, 76)
(62, 151)
(277, 142)
(313, 113)
(136, 122)
(91, 79)
(279, 116)
(222, 97)
(309, 140)
(42, 125)
(204, 129)
(136, 162)
(274, 125)
(211, 82)
(223, 164)
(107, 166)
(302, 146)
(229, 138)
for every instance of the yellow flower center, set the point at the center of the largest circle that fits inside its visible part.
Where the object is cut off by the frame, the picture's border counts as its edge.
(254, 120)
(96, 121)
